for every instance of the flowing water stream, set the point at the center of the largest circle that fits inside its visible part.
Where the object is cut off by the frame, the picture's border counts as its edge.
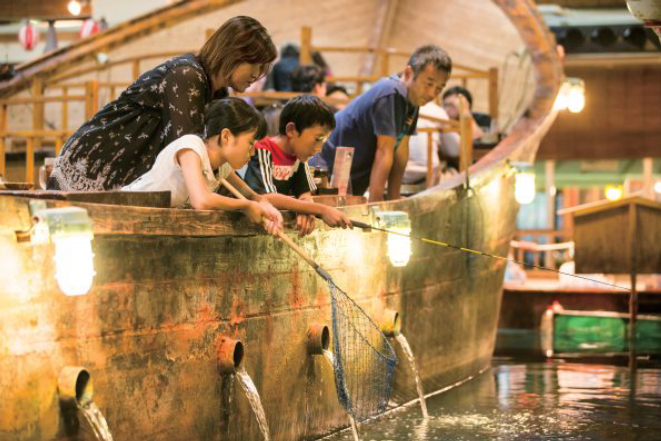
(255, 402)
(403, 342)
(328, 355)
(95, 418)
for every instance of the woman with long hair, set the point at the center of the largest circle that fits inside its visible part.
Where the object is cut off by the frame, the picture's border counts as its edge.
(121, 142)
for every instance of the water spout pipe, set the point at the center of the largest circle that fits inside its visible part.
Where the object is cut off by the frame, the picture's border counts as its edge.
(391, 325)
(75, 387)
(318, 339)
(230, 355)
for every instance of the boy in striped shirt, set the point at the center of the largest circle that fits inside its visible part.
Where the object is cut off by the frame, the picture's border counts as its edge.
(279, 167)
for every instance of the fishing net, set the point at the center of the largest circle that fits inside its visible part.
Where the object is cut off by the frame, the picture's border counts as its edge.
(364, 360)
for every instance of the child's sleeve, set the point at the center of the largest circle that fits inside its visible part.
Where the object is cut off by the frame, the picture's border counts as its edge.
(258, 175)
(303, 181)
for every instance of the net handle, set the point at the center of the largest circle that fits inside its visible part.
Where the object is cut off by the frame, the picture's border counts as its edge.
(281, 235)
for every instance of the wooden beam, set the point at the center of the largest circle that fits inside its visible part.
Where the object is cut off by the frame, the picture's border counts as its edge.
(585, 3)
(61, 36)
(383, 21)
(41, 10)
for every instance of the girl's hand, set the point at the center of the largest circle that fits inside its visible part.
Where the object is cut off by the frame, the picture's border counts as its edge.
(258, 215)
(272, 214)
(335, 218)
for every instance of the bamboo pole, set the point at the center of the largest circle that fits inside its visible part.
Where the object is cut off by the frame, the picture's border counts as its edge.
(633, 296)
(306, 45)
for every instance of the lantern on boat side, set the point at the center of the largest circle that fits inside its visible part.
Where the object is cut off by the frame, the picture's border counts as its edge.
(28, 35)
(70, 230)
(399, 247)
(613, 192)
(525, 185)
(571, 96)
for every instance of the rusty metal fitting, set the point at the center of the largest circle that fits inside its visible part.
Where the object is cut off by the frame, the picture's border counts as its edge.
(74, 386)
(391, 325)
(230, 355)
(318, 339)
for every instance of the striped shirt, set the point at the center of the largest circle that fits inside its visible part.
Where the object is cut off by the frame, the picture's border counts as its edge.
(271, 170)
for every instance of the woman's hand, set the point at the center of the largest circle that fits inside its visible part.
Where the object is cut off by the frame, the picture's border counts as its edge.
(335, 218)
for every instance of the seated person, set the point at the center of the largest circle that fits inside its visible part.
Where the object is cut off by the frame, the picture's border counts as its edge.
(444, 144)
(451, 103)
(379, 122)
(280, 76)
(309, 78)
(191, 166)
(280, 169)
(339, 94)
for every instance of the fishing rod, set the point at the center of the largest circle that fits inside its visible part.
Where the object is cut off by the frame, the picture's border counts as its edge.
(365, 226)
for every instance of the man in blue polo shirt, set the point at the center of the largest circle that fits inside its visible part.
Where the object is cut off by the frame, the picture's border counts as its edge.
(379, 122)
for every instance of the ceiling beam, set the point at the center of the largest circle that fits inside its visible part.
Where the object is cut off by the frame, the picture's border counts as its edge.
(383, 20)
(585, 3)
(40, 10)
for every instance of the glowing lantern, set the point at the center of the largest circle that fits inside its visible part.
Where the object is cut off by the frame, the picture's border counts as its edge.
(74, 7)
(657, 187)
(89, 28)
(399, 247)
(571, 95)
(562, 100)
(525, 189)
(70, 230)
(614, 192)
(28, 36)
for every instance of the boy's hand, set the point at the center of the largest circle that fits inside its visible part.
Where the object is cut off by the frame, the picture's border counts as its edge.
(305, 224)
(335, 218)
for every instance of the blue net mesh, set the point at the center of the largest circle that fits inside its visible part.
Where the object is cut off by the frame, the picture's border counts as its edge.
(364, 359)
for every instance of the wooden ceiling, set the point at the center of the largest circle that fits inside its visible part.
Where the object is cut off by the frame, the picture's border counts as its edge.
(14, 10)
(585, 3)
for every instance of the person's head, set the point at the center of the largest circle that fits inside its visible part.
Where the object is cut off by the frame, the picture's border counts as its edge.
(451, 100)
(306, 121)
(289, 50)
(234, 125)
(339, 93)
(308, 78)
(238, 53)
(425, 75)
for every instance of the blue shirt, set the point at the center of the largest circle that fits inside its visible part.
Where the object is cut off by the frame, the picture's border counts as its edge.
(383, 110)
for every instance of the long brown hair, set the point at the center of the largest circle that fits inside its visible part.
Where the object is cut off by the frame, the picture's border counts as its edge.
(239, 40)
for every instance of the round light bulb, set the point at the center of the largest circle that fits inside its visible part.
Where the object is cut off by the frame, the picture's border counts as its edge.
(399, 247)
(614, 192)
(576, 99)
(657, 187)
(74, 7)
(524, 189)
(74, 264)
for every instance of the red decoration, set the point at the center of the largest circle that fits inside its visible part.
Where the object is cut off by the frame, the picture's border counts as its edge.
(89, 28)
(28, 35)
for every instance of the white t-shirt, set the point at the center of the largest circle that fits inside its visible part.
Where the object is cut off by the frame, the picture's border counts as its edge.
(448, 143)
(166, 174)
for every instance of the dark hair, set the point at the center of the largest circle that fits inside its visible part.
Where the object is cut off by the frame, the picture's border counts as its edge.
(320, 61)
(332, 88)
(305, 77)
(306, 111)
(289, 50)
(272, 117)
(458, 90)
(235, 115)
(430, 54)
(239, 40)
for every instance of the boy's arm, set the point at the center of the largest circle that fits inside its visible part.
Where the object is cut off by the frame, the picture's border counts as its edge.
(397, 171)
(383, 162)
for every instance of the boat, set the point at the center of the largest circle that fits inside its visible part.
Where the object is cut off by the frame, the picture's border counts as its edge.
(172, 287)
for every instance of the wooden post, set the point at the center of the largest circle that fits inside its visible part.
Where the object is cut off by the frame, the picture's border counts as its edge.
(306, 45)
(385, 63)
(430, 161)
(3, 128)
(648, 178)
(65, 108)
(466, 140)
(91, 99)
(29, 159)
(37, 90)
(59, 142)
(136, 69)
(550, 209)
(633, 296)
(493, 93)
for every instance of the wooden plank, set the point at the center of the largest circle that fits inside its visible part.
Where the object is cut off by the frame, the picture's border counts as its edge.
(156, 199)
(41, 10)
(465, 143)
(493, 93)
(39, 100)
(430, 163)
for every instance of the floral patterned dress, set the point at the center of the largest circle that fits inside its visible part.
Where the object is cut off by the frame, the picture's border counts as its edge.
(121, 142)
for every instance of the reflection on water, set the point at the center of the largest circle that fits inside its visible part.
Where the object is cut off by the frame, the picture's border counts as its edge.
(535, 401)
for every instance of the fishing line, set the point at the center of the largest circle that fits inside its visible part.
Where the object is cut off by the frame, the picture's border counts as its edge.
(365, 226)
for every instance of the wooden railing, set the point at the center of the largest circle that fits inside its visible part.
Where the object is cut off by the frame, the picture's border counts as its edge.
(554, 241)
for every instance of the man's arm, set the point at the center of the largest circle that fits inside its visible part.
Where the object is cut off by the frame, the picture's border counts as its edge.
(383, 162)
(398, 167)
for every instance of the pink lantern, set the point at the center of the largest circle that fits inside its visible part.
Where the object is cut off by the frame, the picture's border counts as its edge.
(28, 35)
(89, 28)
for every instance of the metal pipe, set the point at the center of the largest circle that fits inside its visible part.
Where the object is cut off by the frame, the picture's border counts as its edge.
(74, 386)
(318, 339)
(230, 355)
(390, 324)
